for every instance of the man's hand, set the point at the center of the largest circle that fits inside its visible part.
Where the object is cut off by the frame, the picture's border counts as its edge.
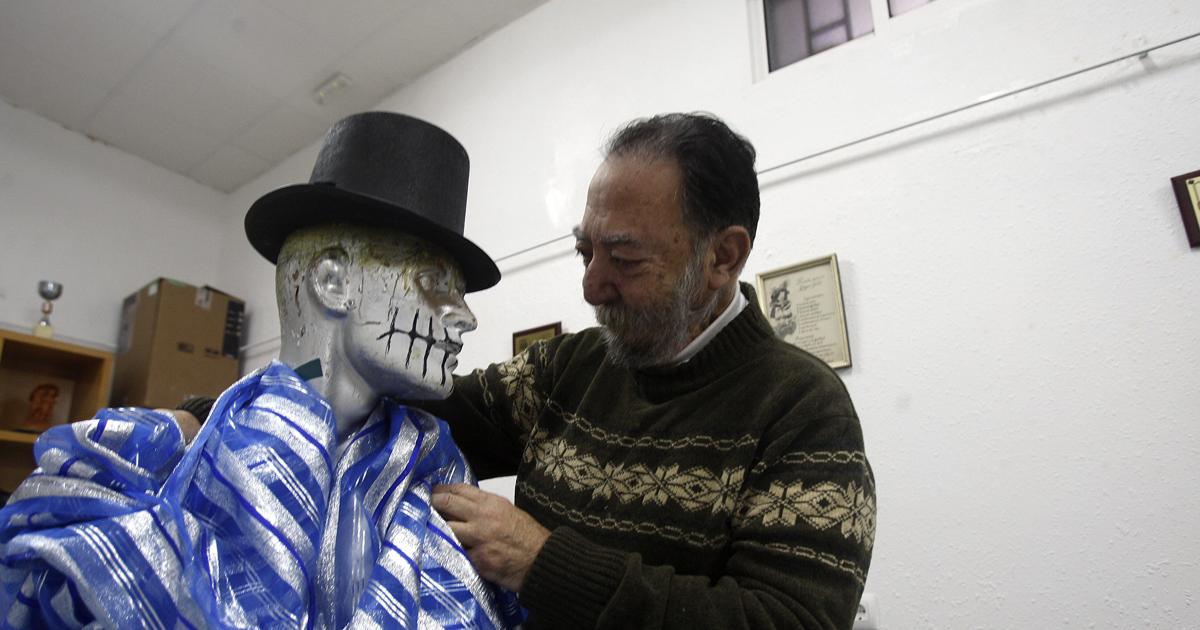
(501, 540)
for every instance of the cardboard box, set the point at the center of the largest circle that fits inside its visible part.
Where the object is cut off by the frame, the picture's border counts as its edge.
(176, 341)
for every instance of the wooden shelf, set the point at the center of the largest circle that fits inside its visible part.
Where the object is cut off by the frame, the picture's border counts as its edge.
(21, 437)
(25, 359)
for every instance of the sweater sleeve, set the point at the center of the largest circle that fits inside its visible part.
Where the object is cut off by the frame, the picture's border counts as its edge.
(491, 411)
(802, 540)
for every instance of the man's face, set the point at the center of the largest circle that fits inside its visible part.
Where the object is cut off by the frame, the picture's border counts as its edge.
(643, 273)
(404, 328)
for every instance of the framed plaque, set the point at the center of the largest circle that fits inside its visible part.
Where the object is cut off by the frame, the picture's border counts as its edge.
(803, 303)
(525, 338)
(1187, 194)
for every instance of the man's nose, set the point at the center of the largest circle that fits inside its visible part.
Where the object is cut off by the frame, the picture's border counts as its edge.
(598, 287)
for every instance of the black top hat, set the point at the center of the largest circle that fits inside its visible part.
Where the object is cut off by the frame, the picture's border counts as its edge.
(380, 169)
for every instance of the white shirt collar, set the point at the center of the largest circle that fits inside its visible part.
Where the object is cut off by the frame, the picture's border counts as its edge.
(734, 309)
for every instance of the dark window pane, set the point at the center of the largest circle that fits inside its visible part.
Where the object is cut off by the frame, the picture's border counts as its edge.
(824, 13)
(900, 6)
(799, 28)
(787, 32)
(829, 38)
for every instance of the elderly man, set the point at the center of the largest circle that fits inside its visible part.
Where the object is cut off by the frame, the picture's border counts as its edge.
(304, 500)
(678, 467)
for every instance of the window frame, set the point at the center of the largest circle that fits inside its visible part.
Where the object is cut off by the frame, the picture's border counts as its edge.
(757, 22)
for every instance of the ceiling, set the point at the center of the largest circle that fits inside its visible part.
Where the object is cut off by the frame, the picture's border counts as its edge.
(222, 90)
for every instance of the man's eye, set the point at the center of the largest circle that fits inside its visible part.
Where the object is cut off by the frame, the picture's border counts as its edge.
(586, 257)
(625, 264)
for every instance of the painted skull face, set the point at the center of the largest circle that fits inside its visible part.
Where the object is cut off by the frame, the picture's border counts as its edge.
(406, 317)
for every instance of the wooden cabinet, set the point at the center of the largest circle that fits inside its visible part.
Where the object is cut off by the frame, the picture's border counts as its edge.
(86, 372)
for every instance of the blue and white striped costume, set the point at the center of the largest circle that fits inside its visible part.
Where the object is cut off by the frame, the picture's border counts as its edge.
(260, 523)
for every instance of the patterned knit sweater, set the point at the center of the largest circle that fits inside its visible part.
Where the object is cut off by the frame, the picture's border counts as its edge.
(729, 492)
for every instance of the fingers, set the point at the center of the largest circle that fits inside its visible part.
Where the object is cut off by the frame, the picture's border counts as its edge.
(460, 489)
(463, 507)
(454, 502)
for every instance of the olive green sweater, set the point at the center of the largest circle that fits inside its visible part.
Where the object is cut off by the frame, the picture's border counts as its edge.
(729, 492)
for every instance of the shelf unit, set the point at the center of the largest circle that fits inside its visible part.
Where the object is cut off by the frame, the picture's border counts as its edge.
(88, 369)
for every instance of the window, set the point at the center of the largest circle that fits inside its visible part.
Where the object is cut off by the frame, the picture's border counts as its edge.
(801, 28)
(901, 6)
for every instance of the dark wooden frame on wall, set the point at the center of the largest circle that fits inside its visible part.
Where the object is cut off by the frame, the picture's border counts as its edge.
(537, 333)
(1189, 209)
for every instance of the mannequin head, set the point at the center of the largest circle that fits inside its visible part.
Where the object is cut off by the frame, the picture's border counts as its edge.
(381, 310)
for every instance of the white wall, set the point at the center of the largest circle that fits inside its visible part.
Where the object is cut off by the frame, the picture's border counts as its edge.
(96, 219)
(1020, 294)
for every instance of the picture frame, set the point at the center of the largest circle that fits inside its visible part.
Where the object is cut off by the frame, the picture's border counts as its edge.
(803, 303)
(1187, 195)
(34, 402)
(524, 338)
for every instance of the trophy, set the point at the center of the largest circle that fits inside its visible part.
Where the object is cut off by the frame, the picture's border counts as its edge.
(50, 291)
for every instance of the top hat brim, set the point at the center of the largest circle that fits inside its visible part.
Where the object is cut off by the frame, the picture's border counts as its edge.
(283, 211)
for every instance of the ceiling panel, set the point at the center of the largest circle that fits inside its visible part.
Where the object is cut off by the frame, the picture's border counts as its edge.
(86, 38)
(255, 44)
(228, 167)
(189, 89)
(221, 90)
(345, 23)
(55, 92)
(282, 133)
(138, 128)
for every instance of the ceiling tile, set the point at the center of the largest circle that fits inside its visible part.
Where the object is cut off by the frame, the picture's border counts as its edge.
(190, 89)
(152, 15)
(84, 36)
(173, 81)
(256, 45)
(345, 23)
(423, 37)
(144, 130)
(484, 17)
(280, 133)
(229, 168)
(53, 92)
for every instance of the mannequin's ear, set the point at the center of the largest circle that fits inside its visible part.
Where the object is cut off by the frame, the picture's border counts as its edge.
(328, 280)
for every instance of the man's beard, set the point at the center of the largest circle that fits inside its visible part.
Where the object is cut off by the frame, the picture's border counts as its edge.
(645, 336)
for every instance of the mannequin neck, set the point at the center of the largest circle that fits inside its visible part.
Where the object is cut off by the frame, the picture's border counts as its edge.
(330, 374)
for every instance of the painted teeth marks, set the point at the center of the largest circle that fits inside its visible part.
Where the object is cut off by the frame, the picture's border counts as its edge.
(428, 348)
(446, 345)
(412, 334)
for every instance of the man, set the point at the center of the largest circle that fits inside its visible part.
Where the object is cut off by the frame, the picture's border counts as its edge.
(679, 467)
(304, 499)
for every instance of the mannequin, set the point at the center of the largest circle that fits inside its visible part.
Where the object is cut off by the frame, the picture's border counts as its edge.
(304, 500)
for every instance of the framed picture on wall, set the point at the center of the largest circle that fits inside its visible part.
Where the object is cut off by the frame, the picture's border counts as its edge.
(1187, 194)
(803, 303)
(525, 338)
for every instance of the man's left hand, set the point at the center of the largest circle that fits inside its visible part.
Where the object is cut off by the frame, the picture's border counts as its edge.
(501, 540)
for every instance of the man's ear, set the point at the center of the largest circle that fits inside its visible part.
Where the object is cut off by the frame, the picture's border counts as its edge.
(730, 248)
(328, 280)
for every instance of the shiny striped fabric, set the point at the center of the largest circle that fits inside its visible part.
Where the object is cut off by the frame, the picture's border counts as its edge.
(261, 523)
